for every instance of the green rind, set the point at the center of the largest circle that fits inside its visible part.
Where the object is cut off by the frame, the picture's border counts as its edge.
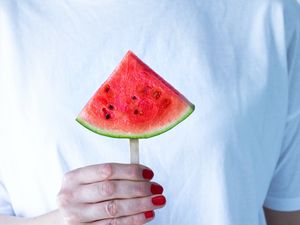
(96, 130)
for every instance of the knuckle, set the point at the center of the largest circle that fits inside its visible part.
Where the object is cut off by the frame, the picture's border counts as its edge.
(104, 170)
(132, 221)
(113, 222)
(111, 208)
(64, 198)
(69, 177)
(134, 171)
(106, 188)
(135, 220)
(140, 189)
(138, 204)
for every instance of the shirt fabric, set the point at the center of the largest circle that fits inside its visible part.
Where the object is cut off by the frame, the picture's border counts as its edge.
(238, 61)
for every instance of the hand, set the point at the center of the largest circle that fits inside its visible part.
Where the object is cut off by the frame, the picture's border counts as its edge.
(109, 194)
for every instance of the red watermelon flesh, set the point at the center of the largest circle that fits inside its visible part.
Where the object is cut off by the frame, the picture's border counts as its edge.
(134, 102)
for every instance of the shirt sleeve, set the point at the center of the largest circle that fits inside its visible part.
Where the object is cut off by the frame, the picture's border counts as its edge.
(284, 190)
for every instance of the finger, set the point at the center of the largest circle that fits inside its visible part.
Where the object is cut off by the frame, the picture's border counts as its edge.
(119, 208)
(121, 189)
(137, 219)
(108, 171)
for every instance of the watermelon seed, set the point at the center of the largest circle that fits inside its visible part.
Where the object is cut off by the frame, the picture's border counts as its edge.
(107, 88)
(111, 107)
(156, 94)
(138, 112)
(133, 97)
(106, 114)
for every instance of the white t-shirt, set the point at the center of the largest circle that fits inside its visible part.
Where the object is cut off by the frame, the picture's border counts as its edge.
(238, 61)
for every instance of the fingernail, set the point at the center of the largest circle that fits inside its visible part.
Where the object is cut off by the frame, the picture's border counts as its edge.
(148, 174)
(149, 214)
(156, 189)
(159, 200)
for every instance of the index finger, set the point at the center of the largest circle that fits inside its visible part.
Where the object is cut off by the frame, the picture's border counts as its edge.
(109, 171)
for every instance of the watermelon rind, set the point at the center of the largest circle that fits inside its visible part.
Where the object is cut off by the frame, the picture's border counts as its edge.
(100, 131)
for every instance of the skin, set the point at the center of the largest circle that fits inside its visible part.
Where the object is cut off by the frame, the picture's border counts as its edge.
(282, 218)
(104, 194)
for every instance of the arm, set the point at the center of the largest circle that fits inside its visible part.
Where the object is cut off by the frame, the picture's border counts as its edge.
(47, 219)
(282, 218)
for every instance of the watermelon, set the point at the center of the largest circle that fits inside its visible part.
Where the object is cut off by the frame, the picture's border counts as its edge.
(134, 102)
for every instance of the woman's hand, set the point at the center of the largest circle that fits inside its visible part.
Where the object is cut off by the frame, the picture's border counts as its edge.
(109, 194)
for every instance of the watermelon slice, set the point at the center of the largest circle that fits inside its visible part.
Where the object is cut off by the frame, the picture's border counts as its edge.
(134, 102)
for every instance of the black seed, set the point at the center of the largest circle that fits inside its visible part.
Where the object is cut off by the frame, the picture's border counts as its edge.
(107, 88)
(111, 107)
(133, 97)
(107, 116)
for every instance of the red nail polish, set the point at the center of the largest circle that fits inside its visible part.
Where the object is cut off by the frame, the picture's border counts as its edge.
(149, 214)
(148, 174)
(159, 200)
(156, 189)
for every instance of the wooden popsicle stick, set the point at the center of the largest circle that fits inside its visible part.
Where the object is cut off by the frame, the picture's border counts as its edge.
(134, 151)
